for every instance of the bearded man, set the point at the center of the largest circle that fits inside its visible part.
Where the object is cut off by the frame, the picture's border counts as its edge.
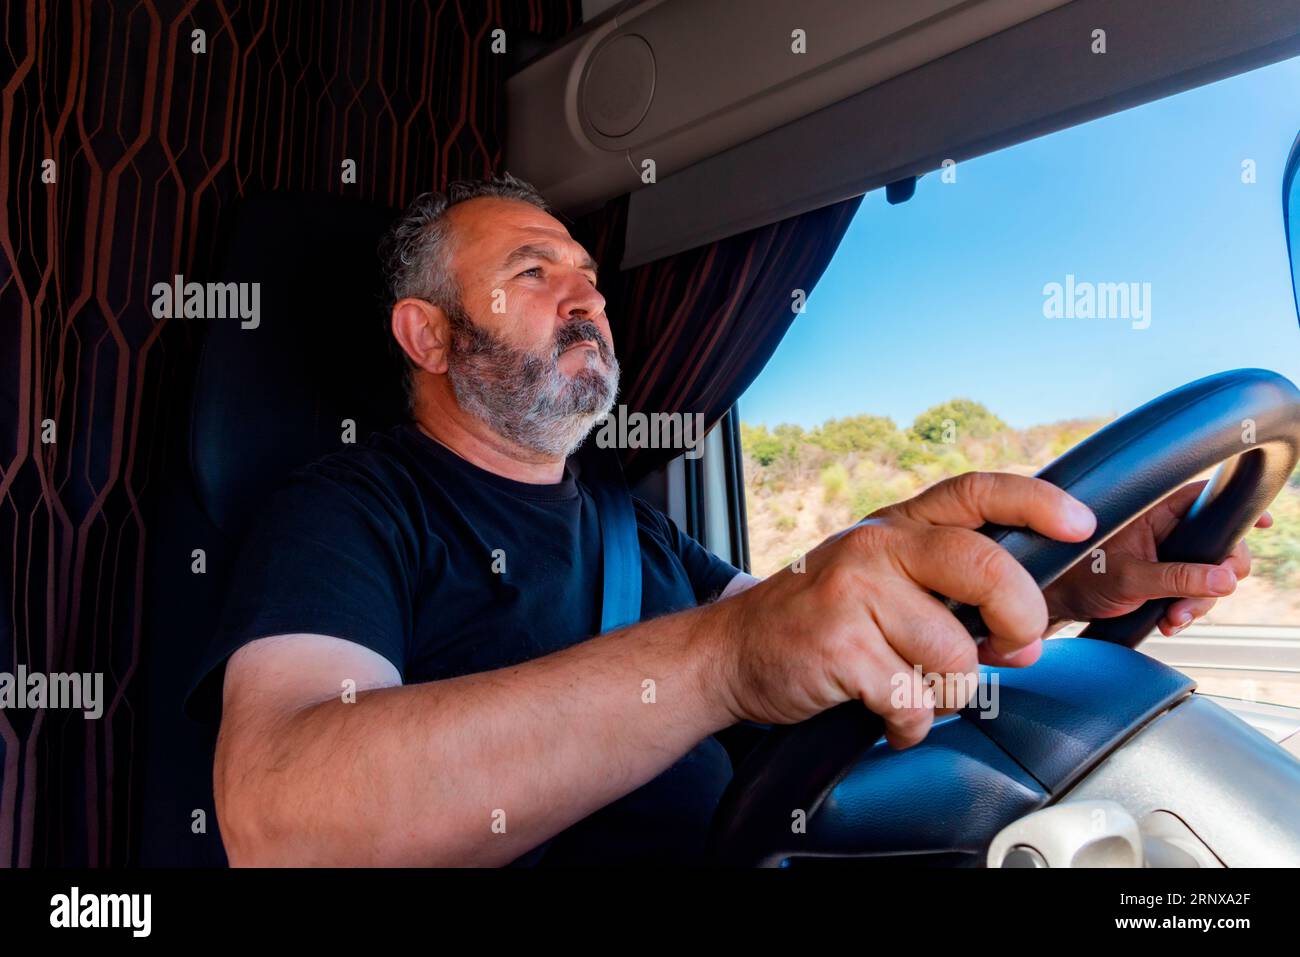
(410, 665)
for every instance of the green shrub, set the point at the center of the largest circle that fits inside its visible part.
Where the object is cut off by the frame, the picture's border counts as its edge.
(964, 417)
(1275, 552)
(858, 433)
(835, 482)
(760, 444)
(953, 462)
(915, 457)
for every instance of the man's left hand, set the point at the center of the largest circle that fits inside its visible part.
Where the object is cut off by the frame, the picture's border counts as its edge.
(1133, 574)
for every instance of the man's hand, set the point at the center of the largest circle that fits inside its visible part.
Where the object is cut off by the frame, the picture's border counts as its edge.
(1133, 574)
(861, 614)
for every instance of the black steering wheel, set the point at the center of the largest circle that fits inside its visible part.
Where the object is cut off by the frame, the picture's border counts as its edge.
(1247, 422)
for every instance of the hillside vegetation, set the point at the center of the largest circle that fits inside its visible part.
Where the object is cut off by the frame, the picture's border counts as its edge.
(804, 484)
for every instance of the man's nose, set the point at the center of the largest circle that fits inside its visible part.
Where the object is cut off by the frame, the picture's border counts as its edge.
(580, 299)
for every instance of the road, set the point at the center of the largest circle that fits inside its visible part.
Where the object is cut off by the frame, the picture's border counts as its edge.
(1254, 662)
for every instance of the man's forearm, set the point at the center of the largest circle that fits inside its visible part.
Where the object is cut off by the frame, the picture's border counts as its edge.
(477, 769)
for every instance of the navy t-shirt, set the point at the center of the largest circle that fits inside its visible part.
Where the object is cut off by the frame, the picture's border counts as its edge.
(447, 569)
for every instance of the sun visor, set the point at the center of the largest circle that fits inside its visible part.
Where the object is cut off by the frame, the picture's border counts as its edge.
(654, 87)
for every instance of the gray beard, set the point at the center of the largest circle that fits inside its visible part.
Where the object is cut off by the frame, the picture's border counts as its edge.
(524, 397)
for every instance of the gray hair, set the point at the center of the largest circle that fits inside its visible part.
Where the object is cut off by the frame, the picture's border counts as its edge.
(416, 252)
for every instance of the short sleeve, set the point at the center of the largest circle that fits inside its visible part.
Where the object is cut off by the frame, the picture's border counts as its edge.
(708, 573)
(331, 553)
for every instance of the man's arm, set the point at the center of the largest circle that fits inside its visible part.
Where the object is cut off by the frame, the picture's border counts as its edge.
(480, 769)
(471, 770)
(420, 774)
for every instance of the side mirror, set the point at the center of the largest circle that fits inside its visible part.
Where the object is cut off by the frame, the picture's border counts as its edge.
(1291, 216)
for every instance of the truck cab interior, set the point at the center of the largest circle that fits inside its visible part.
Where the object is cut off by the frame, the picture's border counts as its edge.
(712, 156)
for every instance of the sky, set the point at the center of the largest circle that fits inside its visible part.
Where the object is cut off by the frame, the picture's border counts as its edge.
(943, 296)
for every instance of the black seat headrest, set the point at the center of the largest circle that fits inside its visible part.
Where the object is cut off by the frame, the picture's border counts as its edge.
(270, 398)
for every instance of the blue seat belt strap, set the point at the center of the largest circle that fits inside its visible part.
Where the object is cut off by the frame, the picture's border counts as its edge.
(620, 576)
(620, 585)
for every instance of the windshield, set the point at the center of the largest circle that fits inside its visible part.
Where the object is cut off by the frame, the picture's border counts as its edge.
(1023, 299)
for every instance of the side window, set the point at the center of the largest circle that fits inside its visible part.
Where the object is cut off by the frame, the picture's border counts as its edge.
(1021, 300)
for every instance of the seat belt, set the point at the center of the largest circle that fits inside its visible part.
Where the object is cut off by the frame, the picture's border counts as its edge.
(620, 583)
(620, 549)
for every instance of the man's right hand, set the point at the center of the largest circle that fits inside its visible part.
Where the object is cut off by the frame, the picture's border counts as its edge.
(861, 614)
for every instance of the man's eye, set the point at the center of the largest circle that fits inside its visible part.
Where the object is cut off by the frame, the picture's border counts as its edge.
(533, 273)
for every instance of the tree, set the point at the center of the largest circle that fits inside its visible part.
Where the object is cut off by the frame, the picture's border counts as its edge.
(856, 433)
(956, 419)
(766, 447)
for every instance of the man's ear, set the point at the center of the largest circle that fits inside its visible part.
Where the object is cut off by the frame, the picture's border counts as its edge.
(423, 332)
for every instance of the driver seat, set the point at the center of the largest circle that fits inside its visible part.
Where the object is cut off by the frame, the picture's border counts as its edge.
(266, 400)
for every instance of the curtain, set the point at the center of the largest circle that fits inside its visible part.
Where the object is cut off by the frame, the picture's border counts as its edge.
(126, 138)
(692, 331)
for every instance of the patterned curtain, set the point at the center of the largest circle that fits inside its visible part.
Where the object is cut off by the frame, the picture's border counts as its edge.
(126, 137)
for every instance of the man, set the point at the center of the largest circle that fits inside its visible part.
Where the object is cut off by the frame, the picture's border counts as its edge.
(412, 677)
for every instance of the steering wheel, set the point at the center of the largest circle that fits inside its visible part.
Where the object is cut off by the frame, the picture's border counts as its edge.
(1247, 422)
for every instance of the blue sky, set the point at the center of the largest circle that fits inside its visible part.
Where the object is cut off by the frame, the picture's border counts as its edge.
(942, 296)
